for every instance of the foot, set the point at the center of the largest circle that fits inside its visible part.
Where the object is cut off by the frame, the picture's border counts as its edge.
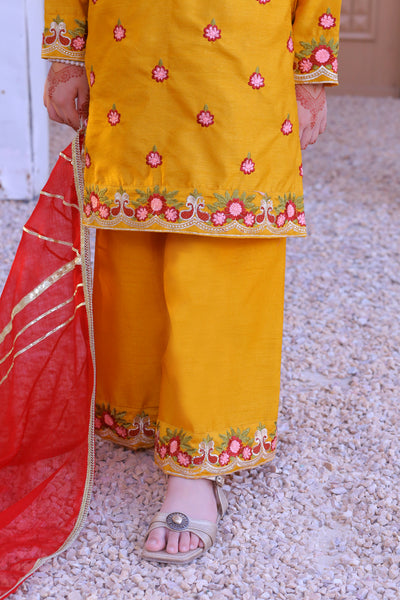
(193, 497)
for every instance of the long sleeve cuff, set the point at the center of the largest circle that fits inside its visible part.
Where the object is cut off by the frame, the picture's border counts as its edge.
(316, 41)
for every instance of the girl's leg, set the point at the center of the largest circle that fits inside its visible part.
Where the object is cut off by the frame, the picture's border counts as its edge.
(130, 323)
(221, 369)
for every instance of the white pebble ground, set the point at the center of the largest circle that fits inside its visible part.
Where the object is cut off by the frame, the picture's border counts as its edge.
(322, 521)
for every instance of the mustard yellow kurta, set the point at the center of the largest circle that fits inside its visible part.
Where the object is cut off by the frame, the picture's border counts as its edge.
(193, 120)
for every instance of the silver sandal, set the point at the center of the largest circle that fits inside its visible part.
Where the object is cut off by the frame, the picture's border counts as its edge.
(177, 521)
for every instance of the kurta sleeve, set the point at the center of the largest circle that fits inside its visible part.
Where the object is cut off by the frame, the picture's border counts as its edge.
(65, 31)
(316, 41)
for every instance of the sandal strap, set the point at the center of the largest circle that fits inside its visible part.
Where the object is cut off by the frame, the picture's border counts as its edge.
(205, 530)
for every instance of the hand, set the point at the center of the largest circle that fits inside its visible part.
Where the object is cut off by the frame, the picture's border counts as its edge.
(66, 94)
(312, 111)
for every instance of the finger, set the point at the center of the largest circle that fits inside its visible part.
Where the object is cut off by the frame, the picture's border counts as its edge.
(70, 115)
(83, 106)
(53, 114)
(306, 138)
(323, 122)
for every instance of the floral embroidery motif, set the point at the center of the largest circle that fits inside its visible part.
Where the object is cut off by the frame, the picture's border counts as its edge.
(113, 116)
(92, 77)
(110, 423)
(247, 165)
(154, 158)
(159, 73)
(301, 170)
(160, 210)
(327, 21)
(263, 1)
(55, 38)
(155, 203)
(256, 80)
(96, 201)
(287, 126)
(211, 32)
(290, 44)
(318, 55)
(119, 32)
(236, 449)
(88, 161)
(205, 118)
(289, 210)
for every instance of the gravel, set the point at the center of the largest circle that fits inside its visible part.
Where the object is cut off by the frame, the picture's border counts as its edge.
(322, 521)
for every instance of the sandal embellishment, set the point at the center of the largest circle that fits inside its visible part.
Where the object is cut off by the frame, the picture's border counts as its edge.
(177, 521)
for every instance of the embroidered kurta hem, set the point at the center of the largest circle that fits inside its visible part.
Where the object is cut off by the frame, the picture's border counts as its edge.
(193, 123)
(195, 328)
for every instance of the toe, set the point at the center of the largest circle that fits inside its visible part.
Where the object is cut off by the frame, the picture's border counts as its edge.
(194, 541)
(156, 540)
(172, 542)
(184, 541)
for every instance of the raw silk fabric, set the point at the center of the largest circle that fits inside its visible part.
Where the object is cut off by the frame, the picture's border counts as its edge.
(46, 386)
(193, 122)
(188, 334)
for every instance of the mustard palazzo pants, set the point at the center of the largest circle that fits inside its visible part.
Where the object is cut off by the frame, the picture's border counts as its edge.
(188, 334)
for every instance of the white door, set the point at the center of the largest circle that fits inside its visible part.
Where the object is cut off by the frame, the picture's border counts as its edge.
(24, 145)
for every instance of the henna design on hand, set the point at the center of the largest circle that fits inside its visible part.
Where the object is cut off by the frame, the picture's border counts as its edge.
(313, 103)
(56, 78)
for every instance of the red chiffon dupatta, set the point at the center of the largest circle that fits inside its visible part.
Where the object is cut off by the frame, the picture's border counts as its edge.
(46, 381)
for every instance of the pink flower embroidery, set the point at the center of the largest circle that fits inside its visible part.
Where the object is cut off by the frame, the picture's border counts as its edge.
(263, 1)
(247, 166)
(92, 77)
(247, 453)
(305, 65)
(141, 213)
(163, 451)
(301, 219)
(249, 219)
(322, 55)
(119, 32)
(154, 158)
(113, 116)
(88, 162)
(159, 73)
(157, 204)
(235, 446)
(280, 219)
(290, 45)
(273, 443)
(78, 43)
(326, 21)
(171, 214)
(256, 80)
(335, 65)
(301, 170)
(121, 431)
(218, 218)
(211, 32)
(287, 127)
(235, 208)
(97, 423)
(224, 458)
(291, 210)
(88, 210)
(94, 201)
(184, 458)
(108, 420)
(205, 118)
(173, 446)
(104, 211)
